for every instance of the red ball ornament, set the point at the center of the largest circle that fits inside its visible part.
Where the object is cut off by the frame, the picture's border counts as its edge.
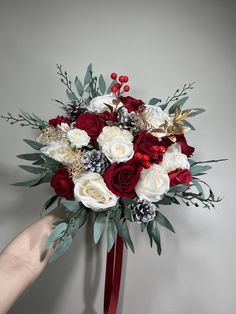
(114, 89)
(138, 156)
(154, 148)
(162, 149)
(126, 88)
(114, 76)
(146, 165)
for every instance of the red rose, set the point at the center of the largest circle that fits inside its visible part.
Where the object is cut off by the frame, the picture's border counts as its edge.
(91, 123)
(185, 148)
(144, 143)
(58, 121)
(62, 183)
(108, 116)
(122, 178)
(130, 103)
(180, 176)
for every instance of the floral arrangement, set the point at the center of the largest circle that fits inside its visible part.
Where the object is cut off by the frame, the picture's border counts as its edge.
(115, 157)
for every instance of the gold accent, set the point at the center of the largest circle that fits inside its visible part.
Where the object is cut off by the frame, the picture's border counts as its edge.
(51, 134)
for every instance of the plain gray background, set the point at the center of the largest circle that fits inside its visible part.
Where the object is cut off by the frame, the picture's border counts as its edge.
(161, 45)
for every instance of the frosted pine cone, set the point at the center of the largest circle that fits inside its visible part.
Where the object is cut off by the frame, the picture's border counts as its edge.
(143, 211)
(95, 161)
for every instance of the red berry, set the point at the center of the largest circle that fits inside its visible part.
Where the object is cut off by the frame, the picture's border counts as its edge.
(114, 89)
(146, 165)
(145, 158)
(121, 78)
(125, 79)
(154, 148)
(155, 155)
(114, 76)
(162, 149)
(126, 88)
(118, 85)
(138, 156)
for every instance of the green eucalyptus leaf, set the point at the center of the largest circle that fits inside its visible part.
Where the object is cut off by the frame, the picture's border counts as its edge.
(79, 86)
(62, 247)
(163, 221)
(198, 169)
(56, 234)
(82, 218)
(126, 236)
(99, 226)
(198, 187)
(29, 183)
(189, 125)
(111, 234)
(166, 200)
(88, 75)
(32, 169)
(71, 206)
(32, 157)
(154, 101)
(33, 144)
(50, 201)
(179, 188)
(102, 84)
(127, 213)
(163, 106)
(178, 103)
(157, 238)
(149, 231)
(71, 96)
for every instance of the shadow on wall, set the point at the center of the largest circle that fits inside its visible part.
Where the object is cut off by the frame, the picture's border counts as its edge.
(17, 211)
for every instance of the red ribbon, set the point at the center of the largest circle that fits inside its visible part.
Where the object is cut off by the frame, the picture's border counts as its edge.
(113, 277)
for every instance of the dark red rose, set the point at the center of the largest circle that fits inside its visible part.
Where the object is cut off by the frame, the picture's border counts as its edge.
(122, 178)
(58, 121)
(62, 183)
(185, 148)
(91, 123)
(108, 116)
(180, 176)
(144, 142)
(130, 103)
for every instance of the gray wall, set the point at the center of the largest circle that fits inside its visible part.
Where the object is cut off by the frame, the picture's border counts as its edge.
(160, 45)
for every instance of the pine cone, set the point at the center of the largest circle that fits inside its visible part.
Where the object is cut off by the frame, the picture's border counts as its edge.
(74, 109)
(95, 161)
(143, 211)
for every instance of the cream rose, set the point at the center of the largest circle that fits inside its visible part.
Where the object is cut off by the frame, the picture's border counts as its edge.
(91, 190)
(173, 159)
(153, 183)
(155, 116)
(98, 104)
(109, 132)
(118, 149)
(78, 138)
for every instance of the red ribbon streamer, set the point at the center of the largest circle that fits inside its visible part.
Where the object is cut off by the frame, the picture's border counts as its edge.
(113, 277)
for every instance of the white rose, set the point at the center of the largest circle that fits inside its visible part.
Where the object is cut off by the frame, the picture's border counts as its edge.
(91, 190)
(108, 132)
(98, 104)
(78, 138)
(155, 116)
(56, 150)
(173, 159)
(118, 149)
(153, 183)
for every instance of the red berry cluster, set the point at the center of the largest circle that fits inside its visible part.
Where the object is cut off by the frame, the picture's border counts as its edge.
(117, 87)
(145, 159)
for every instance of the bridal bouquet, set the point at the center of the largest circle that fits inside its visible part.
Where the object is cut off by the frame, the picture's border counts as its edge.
(115, 157)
